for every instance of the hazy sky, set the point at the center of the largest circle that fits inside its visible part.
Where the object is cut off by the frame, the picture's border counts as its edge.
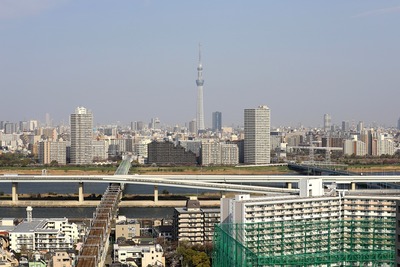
(131, 60)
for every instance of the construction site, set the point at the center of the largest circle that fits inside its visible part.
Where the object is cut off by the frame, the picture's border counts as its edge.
(306, 243)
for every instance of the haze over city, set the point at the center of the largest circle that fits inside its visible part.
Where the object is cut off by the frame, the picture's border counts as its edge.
(135, 60)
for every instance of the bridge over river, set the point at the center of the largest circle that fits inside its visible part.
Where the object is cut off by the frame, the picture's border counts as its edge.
(95, 246)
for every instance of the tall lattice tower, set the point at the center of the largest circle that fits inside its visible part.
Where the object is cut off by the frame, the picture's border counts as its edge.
(200, 82)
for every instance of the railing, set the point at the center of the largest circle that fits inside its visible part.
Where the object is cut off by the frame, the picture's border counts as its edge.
(95, 245)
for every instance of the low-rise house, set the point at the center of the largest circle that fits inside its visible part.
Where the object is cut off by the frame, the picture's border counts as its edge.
(139, 256)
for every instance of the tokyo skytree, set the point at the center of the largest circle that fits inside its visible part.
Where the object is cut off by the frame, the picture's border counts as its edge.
(200, 82)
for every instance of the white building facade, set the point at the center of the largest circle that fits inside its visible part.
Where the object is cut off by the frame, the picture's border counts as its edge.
(45, 235)
(141, 256)
(257, 136)
(81, 136)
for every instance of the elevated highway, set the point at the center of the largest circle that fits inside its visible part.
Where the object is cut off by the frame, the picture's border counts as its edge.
(229, 183)
(318, 169)
(218, 183)
(190, 180)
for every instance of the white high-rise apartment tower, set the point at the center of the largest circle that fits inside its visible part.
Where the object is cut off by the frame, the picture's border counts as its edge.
(327, 123)
(200, 82)
(81, 136)
(257, 144)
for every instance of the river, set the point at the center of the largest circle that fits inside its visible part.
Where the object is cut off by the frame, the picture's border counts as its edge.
(78, 212)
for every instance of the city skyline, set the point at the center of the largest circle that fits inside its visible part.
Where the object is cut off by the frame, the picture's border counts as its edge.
(148, 123)
(335, 58)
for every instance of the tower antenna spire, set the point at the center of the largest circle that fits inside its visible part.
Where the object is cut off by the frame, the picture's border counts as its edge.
(200, 82)
(199, 53)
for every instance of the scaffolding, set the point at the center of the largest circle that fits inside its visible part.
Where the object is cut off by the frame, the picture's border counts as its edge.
(305, 243)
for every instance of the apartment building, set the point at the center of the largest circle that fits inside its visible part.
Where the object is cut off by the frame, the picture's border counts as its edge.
(257, 144)
(81, 136)
(127, 229)
(193, 223)
(49, 151)
(318, 228)
(167, 153)
(43, 234)
(216, 153)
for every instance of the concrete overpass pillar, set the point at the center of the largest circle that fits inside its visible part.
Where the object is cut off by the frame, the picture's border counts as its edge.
(14, 192)
(352, 186)
(80, 192)
(289, 185)
(156, 194)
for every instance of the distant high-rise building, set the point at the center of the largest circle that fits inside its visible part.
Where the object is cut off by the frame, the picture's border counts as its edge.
(398, 124)
(110, 131)
(216, 121)
(345, 126)
(33, 125)
(48, 120)
(23, 126)
(200, 82)
(154, 124)
(100, 149)
(193, 126)
(81, 136)
(257, 135)
(137, 125)
(360, 126)
(354, 146)
(327, 122)
(9, 128)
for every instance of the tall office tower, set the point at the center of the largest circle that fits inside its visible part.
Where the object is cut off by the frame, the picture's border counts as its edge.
(217, 121)
(155, 124)
(398, 125)
(200, 82)
(193, 126)
(23, 126)
(33, 125)
(48, 120)
(9, 128)
(327, 122)
(257, 135)
(81, 136)
(345, 126)
(137, 125)
(360, 126)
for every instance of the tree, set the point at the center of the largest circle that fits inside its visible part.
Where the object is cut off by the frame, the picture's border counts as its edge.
(193, 255)
(165, 192)
(54, 163)
(200, 259)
